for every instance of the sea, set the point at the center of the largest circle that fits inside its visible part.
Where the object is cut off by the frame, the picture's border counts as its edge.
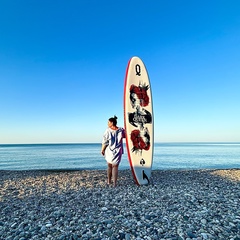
(167, 156)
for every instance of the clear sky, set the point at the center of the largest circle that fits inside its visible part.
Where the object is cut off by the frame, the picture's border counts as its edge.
(63, 64)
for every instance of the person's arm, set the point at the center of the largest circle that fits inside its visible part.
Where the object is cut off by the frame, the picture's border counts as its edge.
(105, 142)
(103, 149)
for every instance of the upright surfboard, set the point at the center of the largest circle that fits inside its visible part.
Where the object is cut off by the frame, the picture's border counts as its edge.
(138, 120)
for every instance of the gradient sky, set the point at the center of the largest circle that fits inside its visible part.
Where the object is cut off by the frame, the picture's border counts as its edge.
(63, 64)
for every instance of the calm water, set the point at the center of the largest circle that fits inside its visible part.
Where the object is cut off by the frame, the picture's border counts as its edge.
(87, 156)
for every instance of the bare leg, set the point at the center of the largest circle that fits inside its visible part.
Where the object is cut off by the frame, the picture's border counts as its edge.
(109, 173)
(115, 174)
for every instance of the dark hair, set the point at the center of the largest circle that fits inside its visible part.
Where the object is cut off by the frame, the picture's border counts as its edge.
(113, 120)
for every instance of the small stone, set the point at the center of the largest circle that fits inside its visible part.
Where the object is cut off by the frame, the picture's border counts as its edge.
(191, 235)
(62, 237)
(204, 221)
(104, 209)
(21, 234)
(127, 236)
(13, 225)
(109, 233)
(43, 229)
(232, 224)
(121, 236)
(139, 223)
(204, 235)
(108, 221)
(148, 217)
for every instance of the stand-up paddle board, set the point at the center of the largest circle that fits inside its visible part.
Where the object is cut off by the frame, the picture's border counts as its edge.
(138, 120)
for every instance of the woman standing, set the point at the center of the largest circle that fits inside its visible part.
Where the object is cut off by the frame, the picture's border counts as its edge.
(112, 148)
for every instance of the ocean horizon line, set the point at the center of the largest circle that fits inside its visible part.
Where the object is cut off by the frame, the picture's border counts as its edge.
(78, 143)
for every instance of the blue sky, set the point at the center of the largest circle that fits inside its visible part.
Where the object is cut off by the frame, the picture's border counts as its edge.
(63, 64)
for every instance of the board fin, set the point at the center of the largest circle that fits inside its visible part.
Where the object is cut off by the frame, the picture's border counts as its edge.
(145, 176)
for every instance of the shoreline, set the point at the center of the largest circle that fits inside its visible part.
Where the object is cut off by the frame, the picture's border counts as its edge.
(78, 204)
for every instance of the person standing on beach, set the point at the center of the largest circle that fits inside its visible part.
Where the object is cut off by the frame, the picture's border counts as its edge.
(112, 148)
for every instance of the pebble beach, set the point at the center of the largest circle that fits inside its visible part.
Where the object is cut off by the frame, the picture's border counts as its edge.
(177, 204)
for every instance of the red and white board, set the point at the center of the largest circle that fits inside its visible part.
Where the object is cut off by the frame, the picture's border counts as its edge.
(138, 120)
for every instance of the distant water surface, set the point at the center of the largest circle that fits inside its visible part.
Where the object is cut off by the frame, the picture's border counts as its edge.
(87, 156)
